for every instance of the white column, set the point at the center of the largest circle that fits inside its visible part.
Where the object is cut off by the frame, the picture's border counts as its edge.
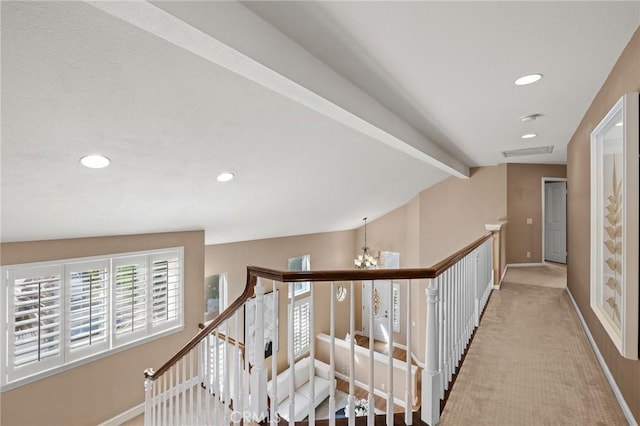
(430, 375)
(259, 373)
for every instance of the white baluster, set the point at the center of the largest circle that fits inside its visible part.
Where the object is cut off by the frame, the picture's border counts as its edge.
(441, 352)
(274, 357)
(245, 381)
(191, 386)
(408, 412)
(237, 376)
(177, 393)
(352, 325)
(332, 356)
(201, 376)
(164, 398)
(172, 390)
(183, 391)
(312, 356)
(225, 365)
(390, 314)
(477, 285)
(207, 378)
(215, 377)
(259, 373)
(370, 413)
(450, 336)
(430, 376)
(292, 358)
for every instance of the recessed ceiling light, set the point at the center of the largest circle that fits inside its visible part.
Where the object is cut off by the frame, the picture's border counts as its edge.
(95, 161)
(225, 177)
(529, 136)
(528, 79)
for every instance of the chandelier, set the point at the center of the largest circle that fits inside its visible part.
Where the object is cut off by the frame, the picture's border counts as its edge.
(365, 260)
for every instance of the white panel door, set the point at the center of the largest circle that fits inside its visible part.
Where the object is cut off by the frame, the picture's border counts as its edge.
(381, 309)
(555, 222)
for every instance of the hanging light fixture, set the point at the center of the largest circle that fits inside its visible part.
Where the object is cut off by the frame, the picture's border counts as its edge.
(365, 260)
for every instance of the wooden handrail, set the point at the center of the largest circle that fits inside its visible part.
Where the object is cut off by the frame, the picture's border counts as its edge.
(367, 274)
(226, 314)
(254, 272)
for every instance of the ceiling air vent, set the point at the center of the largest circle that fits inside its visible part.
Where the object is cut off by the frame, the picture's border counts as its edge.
(528, 151)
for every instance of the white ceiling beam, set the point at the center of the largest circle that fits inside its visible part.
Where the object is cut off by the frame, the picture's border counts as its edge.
(216, 31)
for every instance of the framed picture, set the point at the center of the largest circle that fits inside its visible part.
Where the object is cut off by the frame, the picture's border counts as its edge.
(614, 224)
(270, 321)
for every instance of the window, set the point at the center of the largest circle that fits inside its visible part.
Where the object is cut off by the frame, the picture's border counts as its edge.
(300, 263)
(62, 312)
(395, 306)
(214, 292)
(301, 326)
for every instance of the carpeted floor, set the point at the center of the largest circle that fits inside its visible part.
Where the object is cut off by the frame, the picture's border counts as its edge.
(530, 362)
(549, 275)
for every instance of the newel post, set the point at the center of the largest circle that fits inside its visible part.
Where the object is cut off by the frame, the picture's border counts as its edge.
(258, 372)
(431, 386)
(148, 402)
(496, 235)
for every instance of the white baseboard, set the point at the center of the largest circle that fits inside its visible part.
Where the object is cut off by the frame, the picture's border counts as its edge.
(521, 265)
(504, 272)
(612, 382)
(131, 413)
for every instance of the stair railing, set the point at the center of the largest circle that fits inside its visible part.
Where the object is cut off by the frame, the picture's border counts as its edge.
(211, 380)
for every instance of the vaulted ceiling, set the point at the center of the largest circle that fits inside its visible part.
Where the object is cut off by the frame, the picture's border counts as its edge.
(325, 111)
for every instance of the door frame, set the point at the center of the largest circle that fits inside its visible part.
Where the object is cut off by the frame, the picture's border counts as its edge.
(545, 180)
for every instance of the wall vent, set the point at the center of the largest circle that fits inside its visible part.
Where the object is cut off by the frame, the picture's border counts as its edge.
(528, 151)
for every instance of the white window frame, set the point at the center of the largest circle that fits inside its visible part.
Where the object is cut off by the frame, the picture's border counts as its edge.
(302, 350)
(302, 287)
(12, 377)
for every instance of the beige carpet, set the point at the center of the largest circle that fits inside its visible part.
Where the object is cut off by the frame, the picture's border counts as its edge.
(549, 275)
(530, 363)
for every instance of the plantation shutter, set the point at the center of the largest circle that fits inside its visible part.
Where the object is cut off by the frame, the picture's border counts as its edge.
(165, 289)
(35, 328)
(301, 331)
(88, 313)
(130, 297)
(396, 308)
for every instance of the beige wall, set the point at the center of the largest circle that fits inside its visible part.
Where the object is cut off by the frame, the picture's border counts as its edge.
(332, 250)
(524, 200)
(439, 221)
(95, 392)
(624, 78)
(453, 212)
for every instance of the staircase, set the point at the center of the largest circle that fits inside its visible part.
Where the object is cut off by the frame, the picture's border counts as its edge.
(221, 375)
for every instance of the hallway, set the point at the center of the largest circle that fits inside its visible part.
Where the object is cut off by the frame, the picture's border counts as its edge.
(530, 362)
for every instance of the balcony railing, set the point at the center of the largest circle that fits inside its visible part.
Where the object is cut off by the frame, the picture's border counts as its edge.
(220, 376)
